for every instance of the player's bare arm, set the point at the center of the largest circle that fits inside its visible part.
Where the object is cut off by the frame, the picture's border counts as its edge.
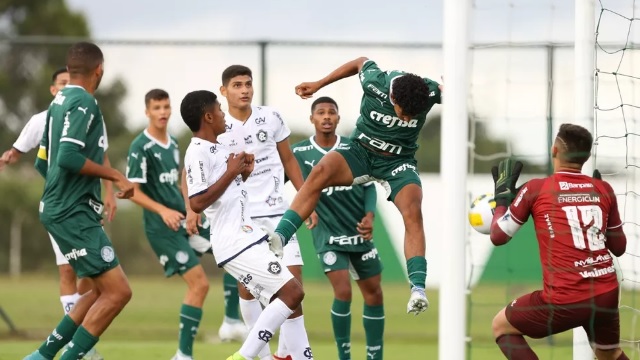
(193, 219)
(9, 157)
(170, 217)
(110, 206)
(365, 226)
(235, 166)
(307, 89)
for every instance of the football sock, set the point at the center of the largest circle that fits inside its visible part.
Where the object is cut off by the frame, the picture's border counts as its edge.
(282, 351)
(515, 347)
(230, 286)
(60, 336)
(68, 301)
(251, 310)
(341, 321)
(81, 343)
(261, 333)
(296, 338)
(190, 317)
(373, 321)
(417, 270)
(289, 224)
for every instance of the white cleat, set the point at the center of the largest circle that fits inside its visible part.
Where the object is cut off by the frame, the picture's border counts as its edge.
(92, 354)
(276, 242)
(417, 302)
(236, 331)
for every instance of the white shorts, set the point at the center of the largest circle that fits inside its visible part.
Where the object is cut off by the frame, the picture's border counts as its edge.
(60, 259)
(260, 271)
(291, 252)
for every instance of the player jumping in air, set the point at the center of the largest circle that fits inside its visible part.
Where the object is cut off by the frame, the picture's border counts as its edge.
(393, 109)
(260, 130)
(71, 158)
(215, 180)
(578, 227)
(343, 236)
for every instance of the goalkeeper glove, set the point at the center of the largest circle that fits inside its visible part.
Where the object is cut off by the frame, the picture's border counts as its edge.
(505, 177)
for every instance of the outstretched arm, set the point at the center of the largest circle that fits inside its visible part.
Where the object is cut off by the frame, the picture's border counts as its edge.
(307, 89)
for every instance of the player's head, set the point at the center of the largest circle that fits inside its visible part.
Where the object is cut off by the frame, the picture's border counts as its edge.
(201, 112)
(59, 80)
(410, 95)
(85, 63)
(237, 86)
(324, 115)
(157, 108)
(572, 147)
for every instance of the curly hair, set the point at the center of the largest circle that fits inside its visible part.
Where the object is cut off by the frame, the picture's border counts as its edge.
(411, 93)
(194, 106)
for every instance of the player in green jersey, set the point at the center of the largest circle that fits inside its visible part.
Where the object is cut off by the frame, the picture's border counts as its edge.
(71, 206)
(343, 236)
(393, 109)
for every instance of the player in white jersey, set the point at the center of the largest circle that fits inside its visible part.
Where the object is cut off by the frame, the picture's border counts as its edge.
(215, 179)
(260, 130)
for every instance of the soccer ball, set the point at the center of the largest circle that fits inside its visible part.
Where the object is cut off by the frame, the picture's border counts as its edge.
(481, 213)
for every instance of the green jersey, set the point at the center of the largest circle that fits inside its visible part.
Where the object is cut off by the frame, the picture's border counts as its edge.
(340, 208)
(155, 166)
(378, 126)
(73, 116)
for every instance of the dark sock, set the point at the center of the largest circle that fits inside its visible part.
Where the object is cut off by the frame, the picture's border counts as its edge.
(515, 347)
(60, 336)
(231, 300)
(289, 224)
(81, 343)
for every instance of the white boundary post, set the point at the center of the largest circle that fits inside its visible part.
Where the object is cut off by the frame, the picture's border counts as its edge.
(584, 62)
(453, 171)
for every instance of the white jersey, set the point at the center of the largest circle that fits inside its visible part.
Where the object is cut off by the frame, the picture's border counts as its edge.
(259, 135)
(232, 230)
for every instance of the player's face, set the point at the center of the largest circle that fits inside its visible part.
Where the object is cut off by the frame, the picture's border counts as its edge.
(325, 118)
(239, 91)
(216, 116)
(158, 112)
(61, 81)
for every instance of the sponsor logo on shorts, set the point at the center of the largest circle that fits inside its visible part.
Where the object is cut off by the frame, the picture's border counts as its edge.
(246, 228)
(75, 254)
(370, 255)
(245, 280)
(107, 254)
(274, 268)
(329, 258)
(182, 257)
(403, 167)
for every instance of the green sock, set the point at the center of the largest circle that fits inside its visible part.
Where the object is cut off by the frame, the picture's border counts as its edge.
(373, 321)
(289, 224)
(81, 343)
(341, 320)
(417, 269)
(189, 321)
(60, 336)
(231, 300)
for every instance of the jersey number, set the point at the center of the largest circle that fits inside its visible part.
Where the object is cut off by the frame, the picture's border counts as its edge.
(590, 225)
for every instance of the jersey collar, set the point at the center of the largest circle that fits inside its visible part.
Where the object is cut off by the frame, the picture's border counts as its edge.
(319, 148)
(164, 146)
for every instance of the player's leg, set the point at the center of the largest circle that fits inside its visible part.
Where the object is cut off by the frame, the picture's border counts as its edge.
(68, 290)
(336, 265)
(366, 268)
(510, 340)
(603, 327)
(251, 311)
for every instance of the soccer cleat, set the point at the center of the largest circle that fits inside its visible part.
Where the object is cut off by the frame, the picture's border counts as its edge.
(275, 357)
(35, 356)
(235, 331)
(92, 354)
(276, 242)
(418, 301)
(236, 356)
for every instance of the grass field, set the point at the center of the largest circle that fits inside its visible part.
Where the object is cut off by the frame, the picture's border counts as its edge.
(147, 328)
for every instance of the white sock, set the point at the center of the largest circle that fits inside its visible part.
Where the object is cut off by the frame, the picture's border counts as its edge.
(68, 301)
(296, 338)
(282, 344)
(251, 311)
(261, 333)
(181, 356)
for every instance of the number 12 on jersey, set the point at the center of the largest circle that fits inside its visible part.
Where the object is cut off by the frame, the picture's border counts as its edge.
(590, 222)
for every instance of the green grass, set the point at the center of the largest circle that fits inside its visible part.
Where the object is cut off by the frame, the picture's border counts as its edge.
(147, 327)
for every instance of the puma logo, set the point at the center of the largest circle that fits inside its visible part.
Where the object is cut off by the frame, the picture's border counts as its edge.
(134, 155)
(84, 111)
(309, 163)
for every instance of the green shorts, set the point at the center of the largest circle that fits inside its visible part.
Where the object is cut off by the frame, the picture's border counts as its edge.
(393, 171)
(84, 244)
(361, 265)
(173, 251)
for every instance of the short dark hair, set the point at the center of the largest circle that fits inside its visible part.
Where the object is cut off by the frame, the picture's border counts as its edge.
(323, 100)
(155, 94)
(61, 70)
(411, 93)
(233, 71)
(193, 107)
(576, 141)
(83, 58)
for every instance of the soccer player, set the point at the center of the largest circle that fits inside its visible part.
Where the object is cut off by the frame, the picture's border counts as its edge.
(343, 236)
(71, 157)
(393, 109)
(577, 226)
(260, 130)
(215, 181)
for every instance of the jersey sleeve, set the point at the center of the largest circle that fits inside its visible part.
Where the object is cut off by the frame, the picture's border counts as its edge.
(370, 74)
(137, 165)
(198, 167)
(520, 208)
(614, 221)
(434, 91)
(31, 134)
(77, 120)
(282, 130)
(106, 138)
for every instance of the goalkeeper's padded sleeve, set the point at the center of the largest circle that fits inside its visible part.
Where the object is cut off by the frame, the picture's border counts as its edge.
(370, 198)
(69, 157)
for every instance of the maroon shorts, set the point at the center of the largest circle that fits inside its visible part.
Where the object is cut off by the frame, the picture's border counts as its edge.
(598, 316)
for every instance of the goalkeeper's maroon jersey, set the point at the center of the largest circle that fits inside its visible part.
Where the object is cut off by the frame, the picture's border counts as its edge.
(571, 213)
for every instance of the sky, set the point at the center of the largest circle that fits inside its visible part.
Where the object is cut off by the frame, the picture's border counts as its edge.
(508, 87)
